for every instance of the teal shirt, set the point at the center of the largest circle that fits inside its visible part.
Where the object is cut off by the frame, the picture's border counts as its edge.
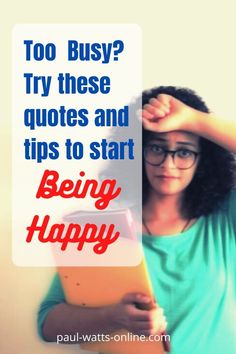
(194, 279)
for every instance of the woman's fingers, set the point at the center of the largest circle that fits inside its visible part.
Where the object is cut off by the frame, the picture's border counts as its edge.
(137, 317)
(157, 107)
(160, 103)
(155, 323)
(151, 125)
(146, 114)
(131, 298)
(150, 112)
(164, 99)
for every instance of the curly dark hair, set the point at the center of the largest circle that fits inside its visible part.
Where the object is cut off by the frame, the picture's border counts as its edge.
(215, 174)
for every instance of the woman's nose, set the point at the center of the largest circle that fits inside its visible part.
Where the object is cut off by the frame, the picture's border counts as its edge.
(169, 161)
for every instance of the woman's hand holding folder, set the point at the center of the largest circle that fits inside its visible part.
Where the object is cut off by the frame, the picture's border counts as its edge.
(70, 319)
(139, 314)
(142, 316)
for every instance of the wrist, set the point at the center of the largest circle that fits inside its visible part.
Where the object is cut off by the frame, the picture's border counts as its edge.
(111, 313)
(196, 123)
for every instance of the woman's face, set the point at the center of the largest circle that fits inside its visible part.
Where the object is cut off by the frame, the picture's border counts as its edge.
(168, 178)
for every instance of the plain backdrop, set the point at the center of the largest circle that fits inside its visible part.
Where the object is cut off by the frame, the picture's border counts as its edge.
(186, 43)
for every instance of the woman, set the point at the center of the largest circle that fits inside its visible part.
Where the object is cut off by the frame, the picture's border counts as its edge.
(189, 228)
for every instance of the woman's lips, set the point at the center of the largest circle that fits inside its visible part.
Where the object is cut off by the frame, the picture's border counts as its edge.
(167, 177)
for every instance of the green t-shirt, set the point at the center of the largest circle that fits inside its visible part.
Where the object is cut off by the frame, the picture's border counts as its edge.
(194, 279)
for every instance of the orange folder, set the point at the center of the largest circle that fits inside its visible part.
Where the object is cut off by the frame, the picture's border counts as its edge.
(101, 286)
(95, 286)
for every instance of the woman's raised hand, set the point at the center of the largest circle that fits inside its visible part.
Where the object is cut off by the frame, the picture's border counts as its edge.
(165, 113)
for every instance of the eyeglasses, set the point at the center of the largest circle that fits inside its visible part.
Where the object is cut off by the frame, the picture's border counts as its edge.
(183, 158)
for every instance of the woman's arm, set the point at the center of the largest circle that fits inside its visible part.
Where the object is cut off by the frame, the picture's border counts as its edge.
(166, 113)
(65, 319)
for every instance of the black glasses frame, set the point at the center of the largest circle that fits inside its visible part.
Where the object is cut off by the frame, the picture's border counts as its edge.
(173, 154)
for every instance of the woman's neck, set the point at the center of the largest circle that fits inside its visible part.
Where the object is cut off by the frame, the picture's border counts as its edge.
(162, 215)
(163, 207)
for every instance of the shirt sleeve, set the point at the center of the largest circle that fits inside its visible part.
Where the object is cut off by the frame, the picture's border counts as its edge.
(54, 297)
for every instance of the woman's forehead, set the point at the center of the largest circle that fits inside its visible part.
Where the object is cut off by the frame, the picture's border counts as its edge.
(175, 137)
